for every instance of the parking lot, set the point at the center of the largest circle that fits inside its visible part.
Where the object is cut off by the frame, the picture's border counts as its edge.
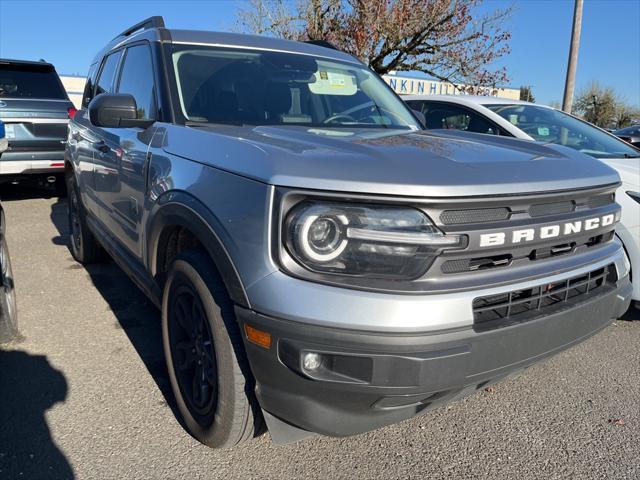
(85, 394)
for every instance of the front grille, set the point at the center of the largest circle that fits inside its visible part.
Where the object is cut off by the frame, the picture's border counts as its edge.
(517, 306)
(485, 262)
(543, 209)
(479, 215)
(600, 200)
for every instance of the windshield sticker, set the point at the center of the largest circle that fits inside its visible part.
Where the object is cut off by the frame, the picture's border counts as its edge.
(9, 130)
(513, 119)
(543, 131)
(333, 82)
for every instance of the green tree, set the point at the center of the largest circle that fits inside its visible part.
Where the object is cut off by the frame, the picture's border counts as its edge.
(626, 115)
(526, 94)
(597, 104)
(451, 40)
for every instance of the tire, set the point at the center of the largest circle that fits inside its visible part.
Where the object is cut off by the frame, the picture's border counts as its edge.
(8, 308)
(198, 325)
(83, 245)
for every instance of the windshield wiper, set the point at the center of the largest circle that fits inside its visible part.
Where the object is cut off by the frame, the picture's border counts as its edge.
(193, 123)
(635, 155)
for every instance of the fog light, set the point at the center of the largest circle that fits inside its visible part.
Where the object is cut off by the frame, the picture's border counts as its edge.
(311, 361)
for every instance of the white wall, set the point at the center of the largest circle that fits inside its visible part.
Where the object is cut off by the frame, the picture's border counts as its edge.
(74, 87)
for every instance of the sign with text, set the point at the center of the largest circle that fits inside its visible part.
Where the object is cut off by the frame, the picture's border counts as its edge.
(418, 86)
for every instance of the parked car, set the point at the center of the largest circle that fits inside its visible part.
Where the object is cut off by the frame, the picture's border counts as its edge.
(630, 135)
(3, 138)
(320, 262)
(529, 121)
(8, 309)
(35, 109)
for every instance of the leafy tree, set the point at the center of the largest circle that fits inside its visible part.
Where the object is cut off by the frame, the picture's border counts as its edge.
(626, 115)
(597, 105)
(447, 39)
(526, 94)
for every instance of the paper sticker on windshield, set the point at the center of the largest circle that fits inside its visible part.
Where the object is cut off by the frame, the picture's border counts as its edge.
(513, 119)
(9, 130)
(543, 131)
(333, 82)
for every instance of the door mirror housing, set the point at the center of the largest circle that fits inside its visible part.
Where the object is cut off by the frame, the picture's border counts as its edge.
(421, 118)
(116, 110)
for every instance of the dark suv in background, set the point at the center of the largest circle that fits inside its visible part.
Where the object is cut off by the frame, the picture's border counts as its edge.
(35, 109)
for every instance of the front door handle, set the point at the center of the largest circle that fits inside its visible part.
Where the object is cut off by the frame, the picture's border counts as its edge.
(101, 146)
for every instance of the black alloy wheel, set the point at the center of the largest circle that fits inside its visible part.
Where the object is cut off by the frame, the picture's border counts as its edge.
(193, 354)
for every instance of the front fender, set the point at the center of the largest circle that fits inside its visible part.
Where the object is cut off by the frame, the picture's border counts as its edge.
(179, 208)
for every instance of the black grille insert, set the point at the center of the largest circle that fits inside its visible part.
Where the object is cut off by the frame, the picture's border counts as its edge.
(543, 209)
(600, 200)
(517, 306)
(479, 215)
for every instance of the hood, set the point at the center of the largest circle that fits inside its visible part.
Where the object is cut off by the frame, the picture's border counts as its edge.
(388, 162)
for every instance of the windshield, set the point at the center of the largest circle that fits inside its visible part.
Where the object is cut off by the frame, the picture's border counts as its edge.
(635, 130)
(549, 125)
(217, 85)
(30, 81)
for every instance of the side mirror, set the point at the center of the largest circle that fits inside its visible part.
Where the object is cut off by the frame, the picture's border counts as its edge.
(116, 110)
(421, 118)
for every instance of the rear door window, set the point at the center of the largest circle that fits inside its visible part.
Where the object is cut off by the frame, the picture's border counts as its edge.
(107, 74)
(30, 81)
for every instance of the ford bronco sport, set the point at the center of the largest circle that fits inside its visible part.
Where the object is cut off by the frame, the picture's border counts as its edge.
(321, 263)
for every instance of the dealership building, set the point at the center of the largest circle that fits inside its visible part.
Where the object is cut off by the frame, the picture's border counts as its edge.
(403, 85)
(74, 85)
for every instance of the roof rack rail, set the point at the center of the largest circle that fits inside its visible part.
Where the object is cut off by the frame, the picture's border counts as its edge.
(151, 22)
(322, 43)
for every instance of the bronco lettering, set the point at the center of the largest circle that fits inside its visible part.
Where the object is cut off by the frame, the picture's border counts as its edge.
(547, 231)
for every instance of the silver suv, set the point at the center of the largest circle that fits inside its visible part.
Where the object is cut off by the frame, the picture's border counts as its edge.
(322, 263)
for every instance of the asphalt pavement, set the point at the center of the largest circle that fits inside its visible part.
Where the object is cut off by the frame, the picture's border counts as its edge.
(85, 394)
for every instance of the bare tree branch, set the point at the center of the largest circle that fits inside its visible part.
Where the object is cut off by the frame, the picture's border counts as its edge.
(446, 39)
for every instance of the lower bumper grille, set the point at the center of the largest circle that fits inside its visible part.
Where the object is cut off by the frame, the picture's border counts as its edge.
(496, 311)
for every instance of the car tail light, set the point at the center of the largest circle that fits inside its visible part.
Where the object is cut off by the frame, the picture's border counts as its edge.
(72, 112)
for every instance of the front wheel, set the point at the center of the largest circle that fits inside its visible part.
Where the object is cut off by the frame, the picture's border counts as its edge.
(205, 357)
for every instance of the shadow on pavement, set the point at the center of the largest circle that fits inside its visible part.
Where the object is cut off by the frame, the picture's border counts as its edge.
(633, 314)
(23, 191)
(135, 313)
(29, 386)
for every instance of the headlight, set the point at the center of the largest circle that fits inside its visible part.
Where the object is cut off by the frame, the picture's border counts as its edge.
(364, 240)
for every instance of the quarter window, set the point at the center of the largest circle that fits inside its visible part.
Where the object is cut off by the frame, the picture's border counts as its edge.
(105, 81)
(137, 79)
(87, 96)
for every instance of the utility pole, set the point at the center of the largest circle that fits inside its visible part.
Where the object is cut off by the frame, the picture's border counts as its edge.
(570, 82)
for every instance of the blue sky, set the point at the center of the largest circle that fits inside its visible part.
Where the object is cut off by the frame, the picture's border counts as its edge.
(68, 33)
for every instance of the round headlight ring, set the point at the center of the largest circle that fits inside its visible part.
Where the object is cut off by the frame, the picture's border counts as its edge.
(333, 248)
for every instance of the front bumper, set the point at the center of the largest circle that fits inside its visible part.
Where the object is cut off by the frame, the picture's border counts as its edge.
(380, 378)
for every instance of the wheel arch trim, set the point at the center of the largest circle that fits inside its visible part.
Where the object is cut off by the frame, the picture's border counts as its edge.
(183, 210)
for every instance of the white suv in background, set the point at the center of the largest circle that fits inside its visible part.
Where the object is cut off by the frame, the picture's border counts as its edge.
(530, 121)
